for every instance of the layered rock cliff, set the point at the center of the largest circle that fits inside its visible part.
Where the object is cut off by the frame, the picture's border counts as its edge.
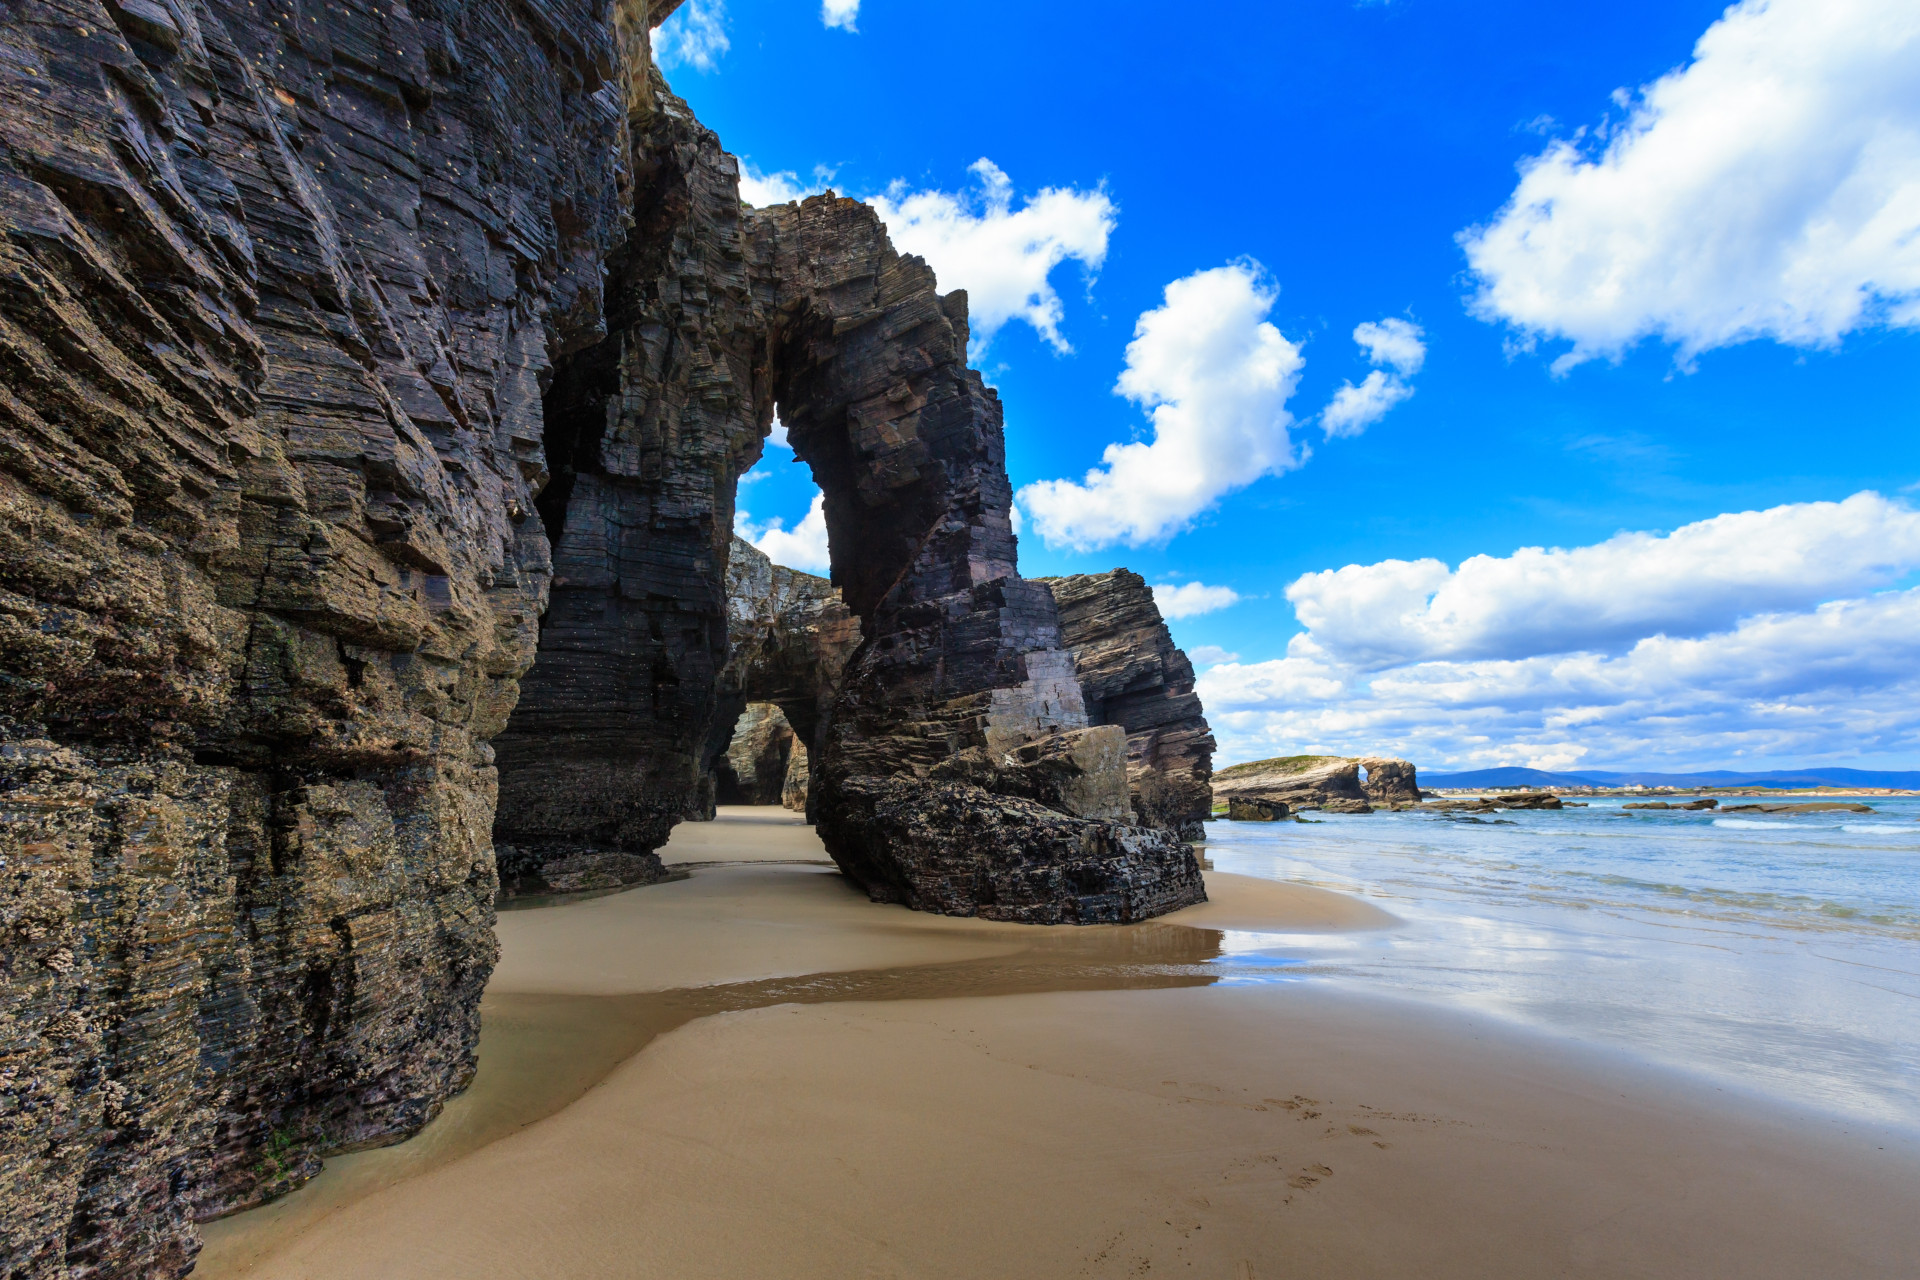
(281, 288)
(332, 337)
(1132, 675)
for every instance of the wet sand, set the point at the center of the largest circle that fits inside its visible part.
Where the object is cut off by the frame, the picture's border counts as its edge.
(755, 1072)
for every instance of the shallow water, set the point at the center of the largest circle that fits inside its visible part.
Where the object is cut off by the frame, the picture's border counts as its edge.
(1780, 954)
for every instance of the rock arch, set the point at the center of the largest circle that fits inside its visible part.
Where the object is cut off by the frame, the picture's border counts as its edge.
(721, 313)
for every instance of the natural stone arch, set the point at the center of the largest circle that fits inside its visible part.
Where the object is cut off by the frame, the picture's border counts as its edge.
(918, 794)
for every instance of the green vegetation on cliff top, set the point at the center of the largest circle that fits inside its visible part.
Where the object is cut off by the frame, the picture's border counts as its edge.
(1279, 764)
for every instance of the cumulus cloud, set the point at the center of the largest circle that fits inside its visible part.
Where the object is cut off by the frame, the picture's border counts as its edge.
(783, 187)
(1002, 256)
(1700, 578)
(695, 36)
(802, 547)
(1208, 655)
(1840, 682)
(1191, 599)
(777, 437)
(1770, 188)
(1755, 636)
(1215, 377)
(1395, 344)
(840, 13)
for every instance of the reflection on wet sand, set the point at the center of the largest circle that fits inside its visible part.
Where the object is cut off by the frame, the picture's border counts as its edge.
(540, 1052)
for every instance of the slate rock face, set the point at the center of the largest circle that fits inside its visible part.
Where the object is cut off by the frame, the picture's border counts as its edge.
(647, 432)
(1132, 675)
(281, 285)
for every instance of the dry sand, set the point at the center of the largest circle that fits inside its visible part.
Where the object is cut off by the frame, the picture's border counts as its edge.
(834, 1089)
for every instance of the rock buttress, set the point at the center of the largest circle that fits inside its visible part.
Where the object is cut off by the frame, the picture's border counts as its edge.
(1132, 675)
(648, 432)
(279, 287)
(918, 794)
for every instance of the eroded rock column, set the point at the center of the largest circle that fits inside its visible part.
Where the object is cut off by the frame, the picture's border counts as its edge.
(957, 772)
(1132, 675)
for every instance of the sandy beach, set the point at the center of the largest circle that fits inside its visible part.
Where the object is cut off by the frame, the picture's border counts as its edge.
(755, 1072)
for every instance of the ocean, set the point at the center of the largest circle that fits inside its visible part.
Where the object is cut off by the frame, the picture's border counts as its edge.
(1780, 955)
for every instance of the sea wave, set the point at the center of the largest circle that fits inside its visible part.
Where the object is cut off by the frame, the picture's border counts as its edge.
(1748, 824)
(1861, 828)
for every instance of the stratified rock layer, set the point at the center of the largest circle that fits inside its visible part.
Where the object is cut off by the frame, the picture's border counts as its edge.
(331, 335)
(1132, 675)
(280, 286)
(1332, 783)
(789, 638)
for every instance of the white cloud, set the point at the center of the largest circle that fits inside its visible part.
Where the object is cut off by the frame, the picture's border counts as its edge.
(763, 189)
(1393, 344)
(1208, 655)
(1770, 188)
(1191, 599)
(1003, 257)
(1838, 683)
(777, 437)
(840, 13)
(1698, 579)
(802, 547)
(1397, 345)
(1722, 643)
(1215, 377)
(694, 35)
(1354, 409)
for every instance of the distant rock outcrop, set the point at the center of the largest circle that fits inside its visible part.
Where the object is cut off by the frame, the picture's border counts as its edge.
(754, 768)
(789, 637)
(1132, 675)
(1330, 783)
(793, 793)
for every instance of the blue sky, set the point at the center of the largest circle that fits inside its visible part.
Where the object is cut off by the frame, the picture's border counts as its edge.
(1698, 305)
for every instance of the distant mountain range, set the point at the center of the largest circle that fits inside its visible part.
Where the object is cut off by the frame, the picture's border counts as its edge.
(1781, 778)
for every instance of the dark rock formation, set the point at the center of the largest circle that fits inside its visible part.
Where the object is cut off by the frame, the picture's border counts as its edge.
(959, 653)
(1494, 804)
(754, 768)
(647, 432)
(1693, 805)
(1330, 783)
(312, 383)
(281, 285)
(1247, 809)
(1389, 782)
(1132, 675)
(1818, 807)
(789, 637)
